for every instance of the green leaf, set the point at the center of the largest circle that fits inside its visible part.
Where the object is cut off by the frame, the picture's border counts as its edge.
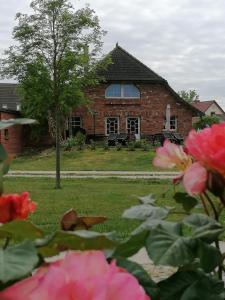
(20, 121)
(142, 276)
(209, 256)
(150, 224)
(17, 261)
(131, 245)
(167, 246)
(77, 240)
(191, 286)
(149, 199)
(204, 227)
(205, 288)
(21, 230)
(145, 211)
(187, 201)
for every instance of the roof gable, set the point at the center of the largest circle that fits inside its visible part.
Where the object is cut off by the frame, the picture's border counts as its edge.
(125, 67)
(205, 105)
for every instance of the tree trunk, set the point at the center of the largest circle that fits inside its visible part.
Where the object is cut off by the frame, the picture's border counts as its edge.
(57, 146)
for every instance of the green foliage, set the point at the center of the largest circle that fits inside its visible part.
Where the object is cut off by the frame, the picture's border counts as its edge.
(189, 96)
(118, 146)
(106, 145)
(54, 58)
(206, 121)
(69, 143)
(131, 146)
(92, 145)
(17, 261)
(80, 139)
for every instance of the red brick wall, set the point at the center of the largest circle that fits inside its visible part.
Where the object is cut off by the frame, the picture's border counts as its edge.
(12, 144)
(151, 109)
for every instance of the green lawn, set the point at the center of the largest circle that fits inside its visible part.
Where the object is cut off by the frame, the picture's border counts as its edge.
(87, 159)
(108, 197)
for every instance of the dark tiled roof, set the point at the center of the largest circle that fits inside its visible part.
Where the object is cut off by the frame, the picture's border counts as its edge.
(9, 96)
(125, 67)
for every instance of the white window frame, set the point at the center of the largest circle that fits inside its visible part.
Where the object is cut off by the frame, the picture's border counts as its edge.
(122, 92)
(139, 124)
(174, 129)
(118, 122)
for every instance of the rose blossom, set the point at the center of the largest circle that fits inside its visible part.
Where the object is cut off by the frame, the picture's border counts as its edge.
(170, 156)
(79, 276)
(208, 147)
(195, 178)
(194, 175)
(15, 206)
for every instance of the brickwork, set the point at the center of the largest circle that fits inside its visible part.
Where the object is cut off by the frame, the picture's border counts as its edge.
(150, 108)
(11, 138)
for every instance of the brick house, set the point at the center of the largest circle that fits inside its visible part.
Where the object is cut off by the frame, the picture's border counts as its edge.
(132, 99)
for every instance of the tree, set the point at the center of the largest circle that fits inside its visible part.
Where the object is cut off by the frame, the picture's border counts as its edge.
(206, 121)
(189, 96)
(55, 56)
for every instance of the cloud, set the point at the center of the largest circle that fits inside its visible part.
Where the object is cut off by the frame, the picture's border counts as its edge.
(181, 40)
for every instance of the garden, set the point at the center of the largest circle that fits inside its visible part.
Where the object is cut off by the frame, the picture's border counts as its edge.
(180, 225)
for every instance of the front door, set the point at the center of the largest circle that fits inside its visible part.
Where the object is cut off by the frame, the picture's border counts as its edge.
(133, 126)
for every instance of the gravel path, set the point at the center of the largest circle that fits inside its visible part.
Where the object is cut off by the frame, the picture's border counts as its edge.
(96, 174)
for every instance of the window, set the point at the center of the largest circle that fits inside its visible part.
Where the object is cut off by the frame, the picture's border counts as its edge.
(117, 90)
(112, 125)
(75, 122)
(173, 123)
(6, 134)
(5, 106)
(213, 113)
(18, 106)
(133, 125)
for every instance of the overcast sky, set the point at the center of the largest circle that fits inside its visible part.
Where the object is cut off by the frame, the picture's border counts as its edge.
(181, 40)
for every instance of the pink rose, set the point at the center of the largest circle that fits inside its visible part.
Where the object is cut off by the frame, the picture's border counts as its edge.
(195, 178)
(208, 147)
(170, 156)
(79, 276)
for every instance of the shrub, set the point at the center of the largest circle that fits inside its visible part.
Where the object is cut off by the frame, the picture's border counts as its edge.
(92, 145)
(118, 146)
(69, 143)
(131, 146)
(145, 145)
(206, 121)
(138, 144)
(106, 146)
(80, 139)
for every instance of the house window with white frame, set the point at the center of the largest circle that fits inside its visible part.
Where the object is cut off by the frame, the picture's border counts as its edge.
(112, 125)
(173, 123)
(122, 90)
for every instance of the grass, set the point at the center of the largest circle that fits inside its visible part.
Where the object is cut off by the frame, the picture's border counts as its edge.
(107, 197)
(95, 160)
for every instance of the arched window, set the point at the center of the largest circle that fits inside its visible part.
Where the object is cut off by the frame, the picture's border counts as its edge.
(117, 90)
